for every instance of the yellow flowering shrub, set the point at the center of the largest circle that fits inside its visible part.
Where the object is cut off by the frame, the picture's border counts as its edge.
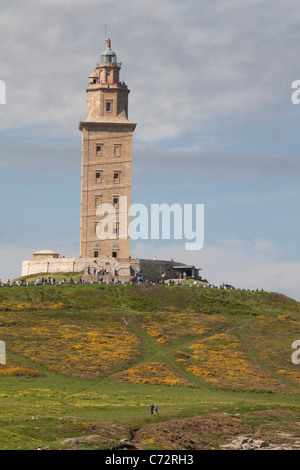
(14, 367)
(69, 344)
(153, 373)
(272, 339)
(221, 361)
(26, 306)
(166, 327)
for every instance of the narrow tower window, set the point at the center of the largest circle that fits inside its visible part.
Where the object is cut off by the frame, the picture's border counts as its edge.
(99, 148)
(116, 177)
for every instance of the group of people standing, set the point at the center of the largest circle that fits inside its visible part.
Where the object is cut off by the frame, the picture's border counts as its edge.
(154, 409)
(44, 280)
(98, 272)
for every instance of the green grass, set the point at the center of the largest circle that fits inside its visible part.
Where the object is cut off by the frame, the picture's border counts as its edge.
(150, 298)
(59, 277)
(67, 406)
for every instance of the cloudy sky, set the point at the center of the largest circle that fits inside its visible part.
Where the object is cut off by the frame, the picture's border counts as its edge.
(210, 85)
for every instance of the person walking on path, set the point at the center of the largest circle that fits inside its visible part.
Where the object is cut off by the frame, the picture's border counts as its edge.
(151, 409)
(156, 410)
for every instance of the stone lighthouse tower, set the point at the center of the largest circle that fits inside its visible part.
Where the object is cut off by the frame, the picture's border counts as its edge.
(106, 173)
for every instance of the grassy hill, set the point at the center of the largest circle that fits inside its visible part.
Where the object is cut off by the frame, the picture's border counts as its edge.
(86, 362)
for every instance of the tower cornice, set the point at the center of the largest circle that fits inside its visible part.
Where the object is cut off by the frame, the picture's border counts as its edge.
(120, 126)
(112, 87)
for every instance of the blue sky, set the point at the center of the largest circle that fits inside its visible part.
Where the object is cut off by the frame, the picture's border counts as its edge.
(211, 95)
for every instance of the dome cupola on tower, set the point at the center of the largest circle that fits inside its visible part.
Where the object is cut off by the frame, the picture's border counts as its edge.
(108, 56)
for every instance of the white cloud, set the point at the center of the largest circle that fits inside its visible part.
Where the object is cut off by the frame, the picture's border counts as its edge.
(21, 155)
(196, 60)
(219, 163)
(11, 256)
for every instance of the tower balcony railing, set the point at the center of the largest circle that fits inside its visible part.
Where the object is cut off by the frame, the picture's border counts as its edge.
(108, 84)
(117, 64)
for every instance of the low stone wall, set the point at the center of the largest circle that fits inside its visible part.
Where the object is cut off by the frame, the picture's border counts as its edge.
(150, 270)
(55, 265)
